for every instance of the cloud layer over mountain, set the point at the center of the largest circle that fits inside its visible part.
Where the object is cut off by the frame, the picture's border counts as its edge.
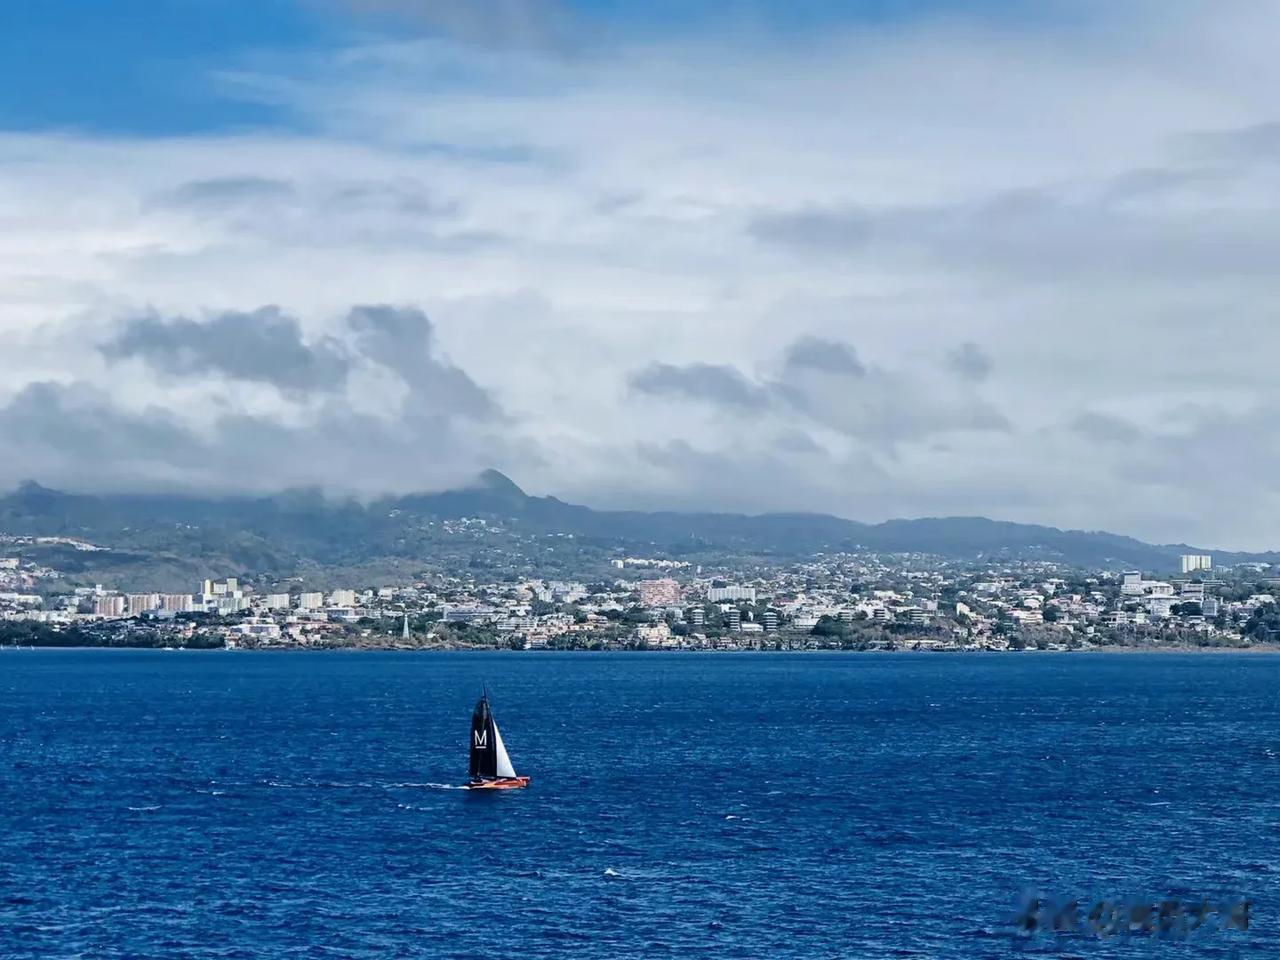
(1021, 268)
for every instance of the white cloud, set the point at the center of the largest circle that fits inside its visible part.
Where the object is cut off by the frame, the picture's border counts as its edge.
(1094, 205)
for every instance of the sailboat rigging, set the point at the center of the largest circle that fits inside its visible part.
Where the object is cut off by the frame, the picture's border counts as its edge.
(491, 767)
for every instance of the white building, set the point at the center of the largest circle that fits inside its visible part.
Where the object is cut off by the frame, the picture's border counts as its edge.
(262, 629)
(140, 603)
(1192, 562)
(177, 603)
(1134, 586)
(734, 592)
(469, 614)
(655, 634)
(21, 599)
(567, 590)
(112, 606)
(229, 604)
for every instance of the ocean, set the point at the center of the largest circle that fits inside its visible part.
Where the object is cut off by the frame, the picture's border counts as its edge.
(226, 805)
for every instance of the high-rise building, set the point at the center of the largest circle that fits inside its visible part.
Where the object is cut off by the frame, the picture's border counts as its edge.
(140, 603)
(176, 603)
(211, 589)
(276, 601)
(110, 606)
(310, 601)
(771, 621)
(734, 619)
(1192, 562)
(697, 617)
(342, 598)
(228, 604)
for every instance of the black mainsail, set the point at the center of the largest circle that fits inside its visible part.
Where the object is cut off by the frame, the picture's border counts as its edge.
(489, 758)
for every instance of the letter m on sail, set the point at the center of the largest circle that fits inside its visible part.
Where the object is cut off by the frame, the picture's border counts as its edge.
(481, 739)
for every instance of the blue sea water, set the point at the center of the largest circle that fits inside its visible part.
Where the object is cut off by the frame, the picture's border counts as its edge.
(182, 804)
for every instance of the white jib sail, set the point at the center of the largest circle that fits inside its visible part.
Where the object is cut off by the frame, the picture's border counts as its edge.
(500, 751)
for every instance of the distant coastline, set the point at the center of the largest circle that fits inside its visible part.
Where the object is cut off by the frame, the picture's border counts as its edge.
(1111, 649)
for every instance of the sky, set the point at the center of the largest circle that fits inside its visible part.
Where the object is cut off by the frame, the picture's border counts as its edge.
(878, 258)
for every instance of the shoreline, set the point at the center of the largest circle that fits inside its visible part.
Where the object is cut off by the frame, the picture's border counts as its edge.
(1258, 649)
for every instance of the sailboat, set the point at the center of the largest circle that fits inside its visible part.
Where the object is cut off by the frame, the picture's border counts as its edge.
(490, 766)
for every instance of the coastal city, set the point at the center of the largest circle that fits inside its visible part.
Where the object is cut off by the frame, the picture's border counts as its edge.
(831, 602)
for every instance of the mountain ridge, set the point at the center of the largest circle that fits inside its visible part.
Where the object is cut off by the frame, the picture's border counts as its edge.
(305, 529)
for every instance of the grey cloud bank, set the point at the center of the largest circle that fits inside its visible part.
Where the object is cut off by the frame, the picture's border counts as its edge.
(825, 382)
(826, 356)
(227, 191)
(715, 383)
(431, 431)
(970, 362)
(263, 345)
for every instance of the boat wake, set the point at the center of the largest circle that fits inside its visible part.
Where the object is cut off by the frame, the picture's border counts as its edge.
(426, 786)
(355, 785)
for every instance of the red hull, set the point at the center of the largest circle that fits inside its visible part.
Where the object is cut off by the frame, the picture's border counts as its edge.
(503, 783)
